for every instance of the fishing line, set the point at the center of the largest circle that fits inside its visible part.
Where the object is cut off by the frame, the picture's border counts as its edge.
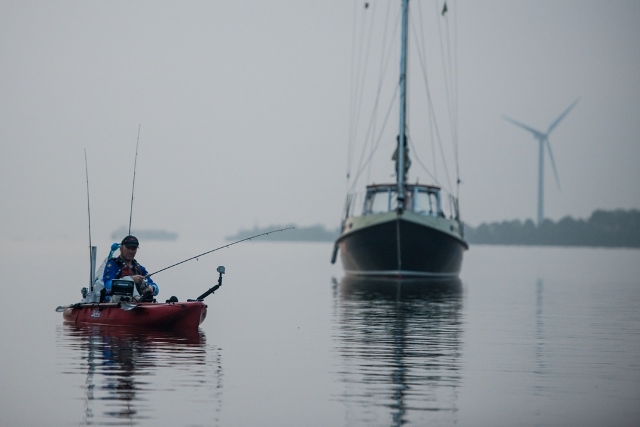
(216, 249)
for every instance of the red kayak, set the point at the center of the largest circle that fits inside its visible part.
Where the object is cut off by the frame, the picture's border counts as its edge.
(171, 315)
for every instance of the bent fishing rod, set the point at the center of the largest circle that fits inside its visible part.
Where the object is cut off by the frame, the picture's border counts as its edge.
(217, 249)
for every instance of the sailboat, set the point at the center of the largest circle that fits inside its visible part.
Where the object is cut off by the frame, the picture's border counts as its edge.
(402, 230)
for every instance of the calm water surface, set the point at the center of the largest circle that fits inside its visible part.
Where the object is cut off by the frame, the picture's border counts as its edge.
(526, 337)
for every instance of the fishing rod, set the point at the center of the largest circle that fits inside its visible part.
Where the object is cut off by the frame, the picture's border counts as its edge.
(92, 249)
(221, 247)
(133, 186)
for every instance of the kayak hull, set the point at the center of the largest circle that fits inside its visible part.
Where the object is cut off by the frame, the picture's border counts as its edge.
(174, 316)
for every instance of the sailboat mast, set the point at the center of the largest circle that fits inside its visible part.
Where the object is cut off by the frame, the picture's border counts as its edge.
(403, 103)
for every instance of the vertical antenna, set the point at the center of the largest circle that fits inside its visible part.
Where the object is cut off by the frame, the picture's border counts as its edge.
(133, 186)
(92, 249)
(86, 169)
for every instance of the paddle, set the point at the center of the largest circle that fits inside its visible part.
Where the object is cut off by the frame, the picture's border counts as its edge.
(131, 304)
(123, 305)
(126, 306)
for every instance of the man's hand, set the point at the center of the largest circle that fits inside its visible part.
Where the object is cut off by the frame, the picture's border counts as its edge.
(137, 279)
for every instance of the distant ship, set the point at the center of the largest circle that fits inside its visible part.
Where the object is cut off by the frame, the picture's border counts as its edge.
(121, 232)
(403, 230)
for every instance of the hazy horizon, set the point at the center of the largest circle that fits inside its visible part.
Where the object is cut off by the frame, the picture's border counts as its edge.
(244, 108)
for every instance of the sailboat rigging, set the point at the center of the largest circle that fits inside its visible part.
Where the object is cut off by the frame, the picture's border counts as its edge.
(403, 230)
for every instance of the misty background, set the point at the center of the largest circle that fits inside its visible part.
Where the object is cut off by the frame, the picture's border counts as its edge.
(244, 108)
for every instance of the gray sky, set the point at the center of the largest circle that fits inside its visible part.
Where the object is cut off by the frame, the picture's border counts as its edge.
(244, 110)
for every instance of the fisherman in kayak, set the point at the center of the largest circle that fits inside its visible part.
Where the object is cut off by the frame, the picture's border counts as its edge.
(125, 265)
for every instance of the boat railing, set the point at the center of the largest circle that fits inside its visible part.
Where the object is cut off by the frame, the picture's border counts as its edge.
(422, 200)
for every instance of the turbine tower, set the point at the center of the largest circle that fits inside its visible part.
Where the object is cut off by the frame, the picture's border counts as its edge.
(543, 141)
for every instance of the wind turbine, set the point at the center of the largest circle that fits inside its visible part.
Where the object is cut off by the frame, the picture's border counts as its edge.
(543, 141)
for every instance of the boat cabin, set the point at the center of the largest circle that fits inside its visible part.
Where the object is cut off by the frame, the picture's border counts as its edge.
(419, 198)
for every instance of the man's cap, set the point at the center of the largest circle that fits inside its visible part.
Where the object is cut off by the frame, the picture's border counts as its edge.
(130, 241)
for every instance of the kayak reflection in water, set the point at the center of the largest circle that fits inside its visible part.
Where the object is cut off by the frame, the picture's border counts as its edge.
(125, 370)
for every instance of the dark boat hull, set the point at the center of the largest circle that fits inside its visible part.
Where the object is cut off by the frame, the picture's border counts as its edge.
(401, 248)
(170, 316)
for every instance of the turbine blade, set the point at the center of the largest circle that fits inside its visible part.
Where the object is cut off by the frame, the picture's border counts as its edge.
(553, 162)
(555, 123)
(536, 132)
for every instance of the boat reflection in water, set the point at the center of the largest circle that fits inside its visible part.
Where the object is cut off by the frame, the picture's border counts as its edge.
(400, 343)
(129, 369)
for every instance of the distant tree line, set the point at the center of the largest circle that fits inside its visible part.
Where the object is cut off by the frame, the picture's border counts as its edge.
(617, 228)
